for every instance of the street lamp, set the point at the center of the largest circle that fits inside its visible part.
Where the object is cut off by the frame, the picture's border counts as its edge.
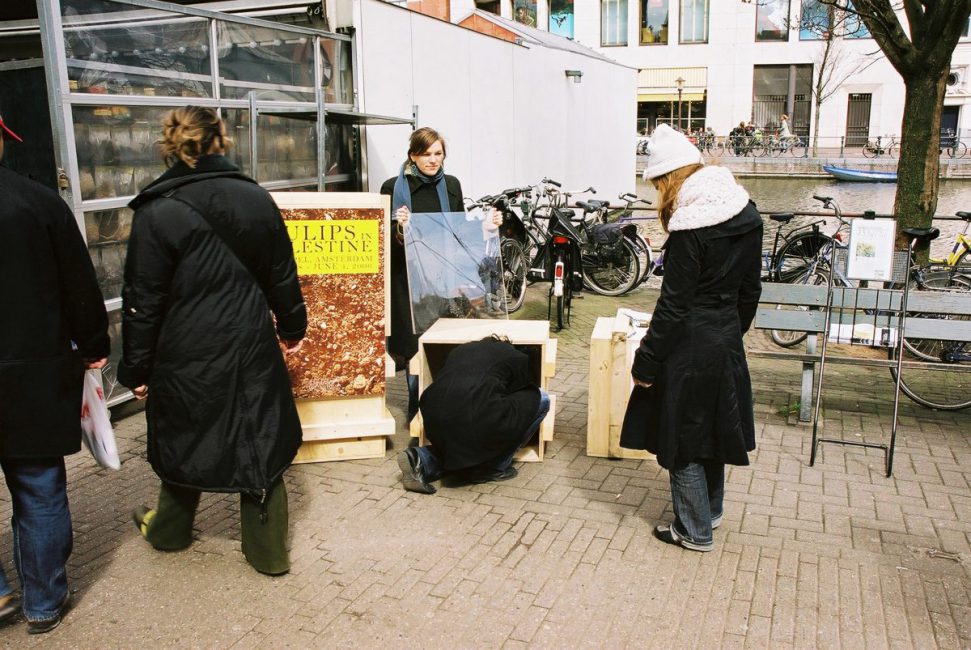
(680, 83)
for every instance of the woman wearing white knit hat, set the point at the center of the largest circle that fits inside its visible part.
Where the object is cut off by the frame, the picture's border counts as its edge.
(692, 401)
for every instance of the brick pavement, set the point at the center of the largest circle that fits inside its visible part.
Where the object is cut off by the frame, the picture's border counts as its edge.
(835, 555)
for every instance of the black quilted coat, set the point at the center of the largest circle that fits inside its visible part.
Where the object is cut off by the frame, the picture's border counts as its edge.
(198, 329)
(700, 403)
(50, 299)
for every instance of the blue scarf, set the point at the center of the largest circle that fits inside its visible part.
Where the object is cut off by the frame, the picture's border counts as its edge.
(402, 191)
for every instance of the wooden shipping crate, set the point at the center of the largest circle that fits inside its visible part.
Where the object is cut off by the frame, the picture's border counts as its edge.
(611, 349)
(448, 333)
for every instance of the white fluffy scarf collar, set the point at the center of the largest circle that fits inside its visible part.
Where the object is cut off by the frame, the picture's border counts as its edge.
(708, 197)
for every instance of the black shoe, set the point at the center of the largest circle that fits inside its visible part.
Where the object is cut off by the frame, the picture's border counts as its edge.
(42, 627)
(413, 473)
(494, 475)
(10, 608)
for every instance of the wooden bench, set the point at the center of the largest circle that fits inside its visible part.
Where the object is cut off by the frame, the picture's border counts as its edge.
(929, 314)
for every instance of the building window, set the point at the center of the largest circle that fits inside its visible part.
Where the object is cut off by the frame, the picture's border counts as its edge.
(772, 20)
(613, 22)
(561, 17)
(654, 22)
(525, 12)
(774, 95)
(694, 21)
(853, 27)
(814, 21)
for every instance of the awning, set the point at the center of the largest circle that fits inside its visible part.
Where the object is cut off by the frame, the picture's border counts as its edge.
(670, 97)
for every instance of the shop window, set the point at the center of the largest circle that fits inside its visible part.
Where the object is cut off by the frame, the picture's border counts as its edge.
(694, 21)
(151, 53)
(654, 22)
(853, 27)
(277, 65)
(561, 18)
(772, 20)
(814, 20)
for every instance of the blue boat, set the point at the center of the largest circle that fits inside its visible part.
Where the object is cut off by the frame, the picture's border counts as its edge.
(862, 175)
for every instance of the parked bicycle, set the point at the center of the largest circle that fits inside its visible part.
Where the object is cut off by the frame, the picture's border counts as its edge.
(951, 145)
(881, 147)
(793, 145)
(707, 143)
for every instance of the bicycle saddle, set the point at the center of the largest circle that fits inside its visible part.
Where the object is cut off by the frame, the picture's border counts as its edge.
(591, 205)
(964, 215)
(782, 217)
(929, 234)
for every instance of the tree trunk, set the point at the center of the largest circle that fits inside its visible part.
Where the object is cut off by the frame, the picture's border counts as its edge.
(819, 104)
(919, 166)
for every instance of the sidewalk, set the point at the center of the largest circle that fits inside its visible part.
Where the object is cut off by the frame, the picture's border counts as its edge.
(835, 555)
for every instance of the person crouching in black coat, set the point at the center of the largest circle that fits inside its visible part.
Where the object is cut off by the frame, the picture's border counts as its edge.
(481, 408)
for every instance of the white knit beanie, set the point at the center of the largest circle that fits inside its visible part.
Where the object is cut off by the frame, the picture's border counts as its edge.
(668, 150)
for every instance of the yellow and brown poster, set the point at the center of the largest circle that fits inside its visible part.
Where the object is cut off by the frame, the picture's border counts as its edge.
(340, 252)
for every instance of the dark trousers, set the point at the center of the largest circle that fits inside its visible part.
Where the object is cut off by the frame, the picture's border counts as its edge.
(264, 536)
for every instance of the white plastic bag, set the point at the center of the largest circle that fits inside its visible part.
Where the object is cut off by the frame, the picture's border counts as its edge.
(96, 429)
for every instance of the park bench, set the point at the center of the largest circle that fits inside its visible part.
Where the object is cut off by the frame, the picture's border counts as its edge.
(809, 308)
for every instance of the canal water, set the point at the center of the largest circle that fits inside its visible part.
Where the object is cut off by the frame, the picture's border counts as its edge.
(796, 195)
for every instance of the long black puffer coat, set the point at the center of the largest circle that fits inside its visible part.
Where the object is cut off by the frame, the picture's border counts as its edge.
(403, 344)
(480, 404)
(50, 299)
(197, 329)
(700, 403)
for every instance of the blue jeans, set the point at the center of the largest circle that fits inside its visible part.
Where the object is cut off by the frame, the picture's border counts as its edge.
(697, 492)
(42, 537)
(433, 462)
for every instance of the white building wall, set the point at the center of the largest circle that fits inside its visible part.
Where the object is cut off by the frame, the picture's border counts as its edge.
(732, 52)
(509, 114)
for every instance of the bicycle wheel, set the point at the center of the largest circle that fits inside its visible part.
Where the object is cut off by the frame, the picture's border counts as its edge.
(958, 150)
(938, 389)
(869, 151)
(611, 273)
(797, 148)
(943, 280)
(513, 273)
(789, 338)
(645, 258)
(893, 150)
(796, 255)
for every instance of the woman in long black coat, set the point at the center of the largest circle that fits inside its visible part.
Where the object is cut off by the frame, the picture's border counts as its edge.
(692, 400)
(208, 260)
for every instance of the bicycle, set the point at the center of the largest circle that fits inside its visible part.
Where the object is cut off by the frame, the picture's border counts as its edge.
(794, 145)
(952, 145)
(610, 261)
(512, 239)
(560, 253)
(877, 148)
(708, 143)
(936, 388)
(625, 215)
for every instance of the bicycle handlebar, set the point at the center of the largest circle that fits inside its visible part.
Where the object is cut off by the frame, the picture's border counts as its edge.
(550, 181)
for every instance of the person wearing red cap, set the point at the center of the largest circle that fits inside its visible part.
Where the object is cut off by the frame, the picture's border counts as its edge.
(57, 328)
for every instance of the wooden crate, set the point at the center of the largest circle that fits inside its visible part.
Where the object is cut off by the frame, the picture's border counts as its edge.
(447, 333)
(611, 346)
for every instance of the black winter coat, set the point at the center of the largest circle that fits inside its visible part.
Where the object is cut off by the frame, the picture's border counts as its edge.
(700, 403)
(50, 298)
(480, 404)
(197, 329)
(403, 344)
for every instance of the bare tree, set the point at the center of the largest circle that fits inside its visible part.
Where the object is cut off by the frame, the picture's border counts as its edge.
(833, 63)
(922, 57)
